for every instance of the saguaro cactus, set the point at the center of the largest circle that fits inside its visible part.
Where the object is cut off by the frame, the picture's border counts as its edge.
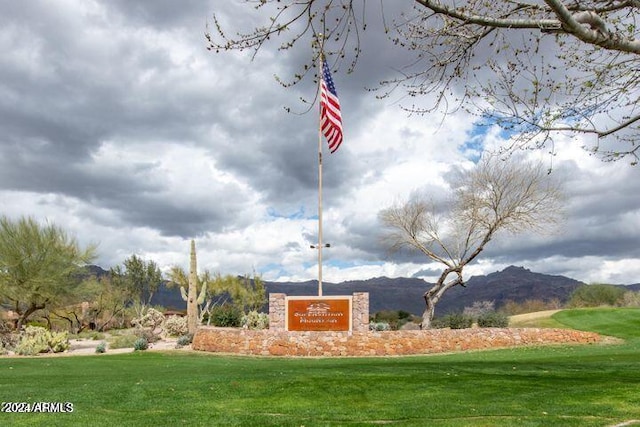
(190, 297)
(194, 317)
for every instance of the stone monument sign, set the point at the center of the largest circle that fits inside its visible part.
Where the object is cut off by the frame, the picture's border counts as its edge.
(319, 313)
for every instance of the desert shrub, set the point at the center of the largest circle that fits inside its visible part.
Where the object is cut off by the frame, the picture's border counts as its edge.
(395, 318)
(631, 299)
(59, 341)
(453, 321)
(225, 315)
(439, 322)
(147, 334)
(493, 319)
(8, 338)
(37, 323)
(391, 318)
(152, 319)
(149, 325)
(379, 326)
(101, 348)
(255, 320)
(184, 340)
(175, 326)
(36, 339)
(141, 344)
(479, 308)
(123, 341)
(410, 326)
(597, 295)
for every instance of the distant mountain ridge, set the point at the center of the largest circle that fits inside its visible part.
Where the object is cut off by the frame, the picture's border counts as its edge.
(511, 284)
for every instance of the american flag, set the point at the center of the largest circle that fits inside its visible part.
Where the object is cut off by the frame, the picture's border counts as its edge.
(330, 117)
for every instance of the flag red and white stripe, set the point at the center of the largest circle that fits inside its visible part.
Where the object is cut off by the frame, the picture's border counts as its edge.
(330, 117)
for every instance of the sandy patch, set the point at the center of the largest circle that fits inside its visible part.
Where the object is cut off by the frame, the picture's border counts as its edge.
(533, 316)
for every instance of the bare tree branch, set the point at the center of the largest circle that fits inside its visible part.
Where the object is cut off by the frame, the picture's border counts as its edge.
(495, 196)
(535, 69)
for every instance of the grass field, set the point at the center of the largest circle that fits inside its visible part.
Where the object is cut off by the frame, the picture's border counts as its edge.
(594, 385)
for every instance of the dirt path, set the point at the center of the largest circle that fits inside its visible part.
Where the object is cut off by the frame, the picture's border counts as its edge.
(88, 347)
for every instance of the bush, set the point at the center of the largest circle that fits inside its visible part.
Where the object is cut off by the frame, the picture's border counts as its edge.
(631, 299)
(176, 326)
(226, 316)
(379, 326)
(597, 295)
(479, 308)
(395, 318)
(389, 317)
(149, 335)
(184, 340)
(123, 341)
(101, 348)
(141, 344)
(453, 321)
(151, 320)
(8, 338)
(36, 339)
(493, 319)
(255, 320)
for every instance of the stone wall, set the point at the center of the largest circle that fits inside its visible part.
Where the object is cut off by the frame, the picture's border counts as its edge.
(359, 311)
(277, 306)
(384, 343)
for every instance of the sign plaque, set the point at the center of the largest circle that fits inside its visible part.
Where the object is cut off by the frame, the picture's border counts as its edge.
(326, 313)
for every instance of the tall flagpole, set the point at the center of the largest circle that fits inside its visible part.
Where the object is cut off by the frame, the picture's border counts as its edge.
(320, 244)
(329, 125)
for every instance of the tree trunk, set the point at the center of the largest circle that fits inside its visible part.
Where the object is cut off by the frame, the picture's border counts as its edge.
(429, 311)
(27, 313)
(433, 295)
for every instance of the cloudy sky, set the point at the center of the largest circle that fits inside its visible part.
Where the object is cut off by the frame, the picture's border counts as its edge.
(118, 125)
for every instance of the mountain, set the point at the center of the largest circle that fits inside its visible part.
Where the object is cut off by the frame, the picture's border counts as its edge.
(516, 284)
(384, 293)
(513, 283)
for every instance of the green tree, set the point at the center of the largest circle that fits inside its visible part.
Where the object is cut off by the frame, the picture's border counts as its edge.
(139, 279)
(245, 294)
(596, 295)
(535, 68)
(248, 294)
(105, 303)
(39, 266)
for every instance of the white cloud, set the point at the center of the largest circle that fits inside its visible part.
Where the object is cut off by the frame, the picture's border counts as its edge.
(121, 127)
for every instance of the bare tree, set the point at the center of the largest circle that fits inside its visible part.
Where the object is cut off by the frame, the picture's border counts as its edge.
(535, 68)
(494, 196)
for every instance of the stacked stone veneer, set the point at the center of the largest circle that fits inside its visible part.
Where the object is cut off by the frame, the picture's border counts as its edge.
(359, 312)
(369, 343)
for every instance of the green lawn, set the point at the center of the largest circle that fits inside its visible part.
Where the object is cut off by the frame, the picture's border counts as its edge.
(617, 322)
(594, 385)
